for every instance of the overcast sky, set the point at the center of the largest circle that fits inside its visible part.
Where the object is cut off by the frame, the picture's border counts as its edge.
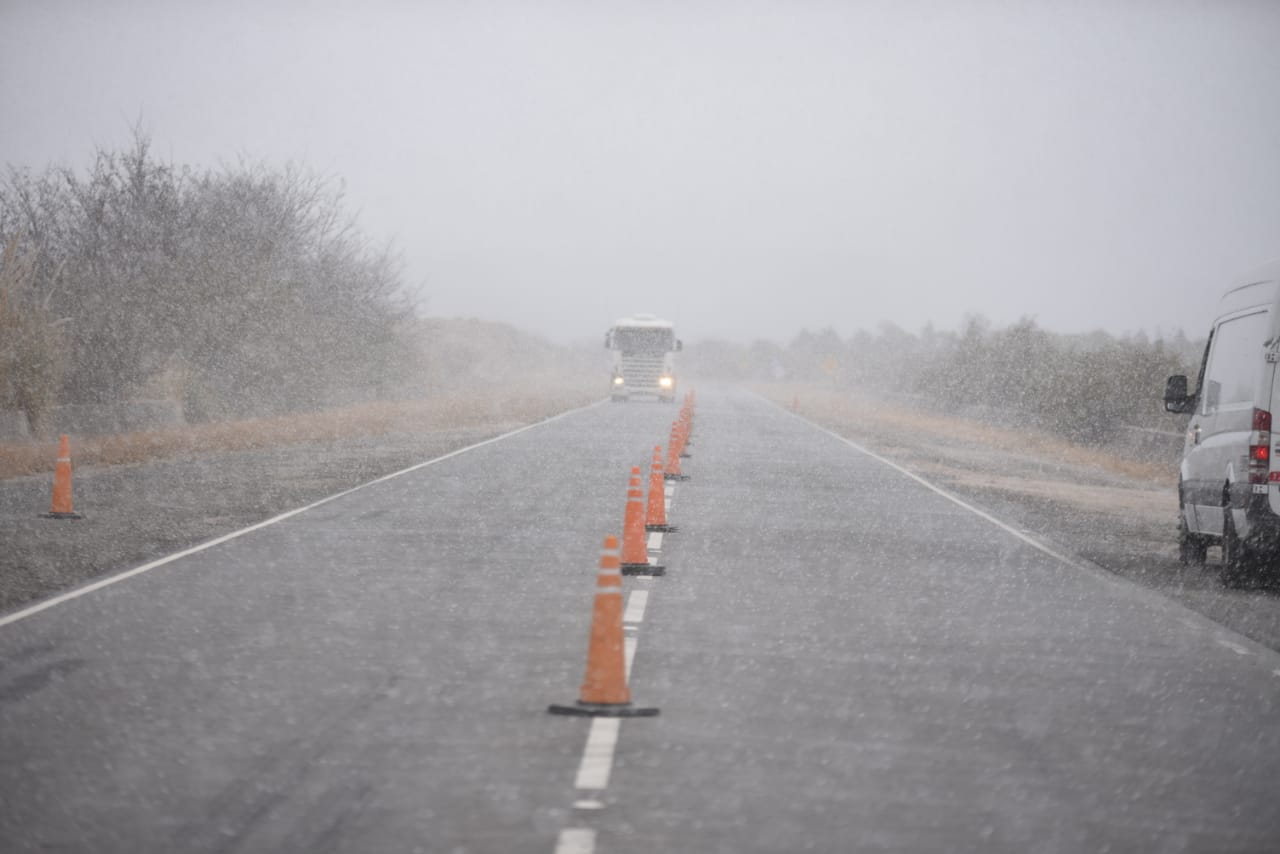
(745, 169)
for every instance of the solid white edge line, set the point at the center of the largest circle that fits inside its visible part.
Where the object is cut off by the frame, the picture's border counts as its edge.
(576, 840)
(655, 541)
(636, 603)
(1234, 647)
(1146, 595)
(597, 755)
(31, 610)
(628, 656)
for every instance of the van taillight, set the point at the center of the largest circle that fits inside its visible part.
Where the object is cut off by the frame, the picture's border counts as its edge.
(1260, 447)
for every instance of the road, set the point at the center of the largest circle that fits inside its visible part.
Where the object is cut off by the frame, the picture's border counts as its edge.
(845, 660)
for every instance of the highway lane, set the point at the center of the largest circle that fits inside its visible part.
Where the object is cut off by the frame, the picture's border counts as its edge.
(849, 661)
(845, 661)
(371, 675)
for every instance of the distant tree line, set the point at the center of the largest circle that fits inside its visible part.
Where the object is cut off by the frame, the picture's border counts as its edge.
(241, 291)
(1084, 387)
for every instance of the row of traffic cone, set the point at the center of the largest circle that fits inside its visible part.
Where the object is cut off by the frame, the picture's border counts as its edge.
(605, 692)
(677, 446)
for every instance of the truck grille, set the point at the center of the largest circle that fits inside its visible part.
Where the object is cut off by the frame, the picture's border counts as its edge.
(642, 372)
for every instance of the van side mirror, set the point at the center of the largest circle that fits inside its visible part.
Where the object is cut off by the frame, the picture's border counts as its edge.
(1176, 398)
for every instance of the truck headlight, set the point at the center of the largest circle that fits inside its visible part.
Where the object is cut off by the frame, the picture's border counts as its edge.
(617, 380)
(665, 382)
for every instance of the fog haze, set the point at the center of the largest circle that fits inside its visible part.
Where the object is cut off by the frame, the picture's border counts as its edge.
(746, 169)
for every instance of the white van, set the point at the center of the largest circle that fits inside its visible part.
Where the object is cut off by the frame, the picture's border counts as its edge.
(1228, 492)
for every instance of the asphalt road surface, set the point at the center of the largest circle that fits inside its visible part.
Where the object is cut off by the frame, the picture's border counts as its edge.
(844, 658)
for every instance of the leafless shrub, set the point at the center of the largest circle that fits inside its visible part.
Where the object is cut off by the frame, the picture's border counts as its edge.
(1083, 387)
(242, 291)
(31, 341)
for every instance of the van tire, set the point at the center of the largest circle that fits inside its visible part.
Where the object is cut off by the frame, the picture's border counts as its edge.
(1237, 561)
(1193, 549)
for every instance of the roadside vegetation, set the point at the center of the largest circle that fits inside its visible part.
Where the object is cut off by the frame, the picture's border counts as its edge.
(1086, 388)
(241, 295)
(248, 293)
(242, 291)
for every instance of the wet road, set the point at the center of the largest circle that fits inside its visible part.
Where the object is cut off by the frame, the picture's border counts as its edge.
(845, 660)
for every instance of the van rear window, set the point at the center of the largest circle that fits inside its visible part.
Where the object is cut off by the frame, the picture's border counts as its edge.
(1234, 362)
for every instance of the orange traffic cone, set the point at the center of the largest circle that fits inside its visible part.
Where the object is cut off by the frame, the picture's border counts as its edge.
(60, 507)
(635, 542)
(655, 517)
(604, 691)
(673, 455)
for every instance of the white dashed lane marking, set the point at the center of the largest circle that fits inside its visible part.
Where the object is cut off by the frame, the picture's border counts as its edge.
(628, 655)
(636, 604)
(576, 840)
(597, 756)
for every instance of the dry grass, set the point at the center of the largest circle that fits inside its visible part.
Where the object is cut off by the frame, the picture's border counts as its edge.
(843, 412)
(446, 412)
(1154, 504)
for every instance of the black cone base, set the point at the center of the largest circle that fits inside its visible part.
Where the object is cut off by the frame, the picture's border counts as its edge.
(643, 569)
(61, 516)
(662, 529)
(603, 710)
(670, 476)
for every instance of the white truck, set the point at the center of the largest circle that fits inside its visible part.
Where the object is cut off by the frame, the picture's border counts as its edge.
(644, 349)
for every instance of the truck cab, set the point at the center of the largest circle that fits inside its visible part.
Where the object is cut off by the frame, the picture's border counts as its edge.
(643, 349)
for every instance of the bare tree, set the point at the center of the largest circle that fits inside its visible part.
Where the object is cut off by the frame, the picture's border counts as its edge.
(241, 291)
(31, 351)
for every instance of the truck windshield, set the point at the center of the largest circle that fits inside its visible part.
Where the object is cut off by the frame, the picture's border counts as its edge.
(642, 340)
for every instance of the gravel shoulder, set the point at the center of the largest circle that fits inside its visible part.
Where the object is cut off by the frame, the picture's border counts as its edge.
(1118, 513)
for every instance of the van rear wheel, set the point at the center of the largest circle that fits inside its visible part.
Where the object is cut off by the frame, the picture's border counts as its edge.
(1193, 549)
(1237, 561)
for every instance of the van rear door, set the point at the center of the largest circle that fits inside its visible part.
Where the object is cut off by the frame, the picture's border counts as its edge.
(1220, 428)
(1271, 377)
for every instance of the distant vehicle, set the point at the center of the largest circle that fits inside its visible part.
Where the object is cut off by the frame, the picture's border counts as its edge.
(644, 349)
(1228, 490)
